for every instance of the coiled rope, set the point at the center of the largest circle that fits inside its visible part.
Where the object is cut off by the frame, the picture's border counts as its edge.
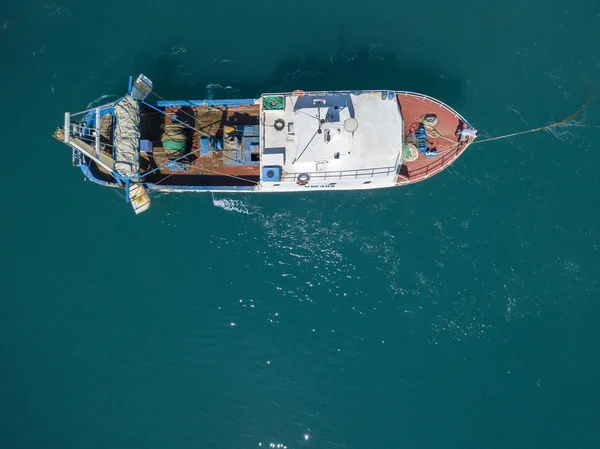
(429, 121)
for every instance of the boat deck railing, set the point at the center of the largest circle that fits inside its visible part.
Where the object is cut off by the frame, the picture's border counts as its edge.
(357, 92)
(429, 169)
(434, 100)
(341, 174)
(321, 93)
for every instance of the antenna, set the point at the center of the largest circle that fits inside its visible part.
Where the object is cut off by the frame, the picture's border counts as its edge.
(319, 102)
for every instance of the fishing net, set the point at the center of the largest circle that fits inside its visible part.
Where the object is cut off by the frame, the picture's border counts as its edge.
(561, 129)
(127, 138)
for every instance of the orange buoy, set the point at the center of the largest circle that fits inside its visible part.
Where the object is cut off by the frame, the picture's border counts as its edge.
(298, 93)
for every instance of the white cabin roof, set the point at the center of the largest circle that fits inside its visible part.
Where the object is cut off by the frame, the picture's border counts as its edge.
(299, 147)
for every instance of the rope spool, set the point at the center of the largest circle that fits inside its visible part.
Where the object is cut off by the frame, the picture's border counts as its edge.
(273, 102)
(429, 121)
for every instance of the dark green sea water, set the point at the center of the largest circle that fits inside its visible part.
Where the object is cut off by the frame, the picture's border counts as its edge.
(458, 313)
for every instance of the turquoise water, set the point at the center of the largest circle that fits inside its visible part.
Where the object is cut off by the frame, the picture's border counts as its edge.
(461, 312)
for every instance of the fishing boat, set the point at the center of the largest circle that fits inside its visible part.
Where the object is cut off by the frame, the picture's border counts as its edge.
(280, 142)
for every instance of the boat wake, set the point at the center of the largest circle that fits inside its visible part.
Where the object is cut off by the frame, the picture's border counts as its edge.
(231, 205)
(313, 254)
(101, 100)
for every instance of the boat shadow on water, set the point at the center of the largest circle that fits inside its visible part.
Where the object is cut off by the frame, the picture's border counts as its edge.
(362, 68)
(365, 70)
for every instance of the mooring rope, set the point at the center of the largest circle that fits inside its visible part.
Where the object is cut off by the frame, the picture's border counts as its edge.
(506, 136)
(560, 123)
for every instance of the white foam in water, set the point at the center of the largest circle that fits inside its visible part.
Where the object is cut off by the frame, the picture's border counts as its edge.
(100, 100)
(231, 205)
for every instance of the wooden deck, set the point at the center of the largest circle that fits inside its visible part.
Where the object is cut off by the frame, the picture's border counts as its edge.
(446, 140)
(209, 121)
(86, 149)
